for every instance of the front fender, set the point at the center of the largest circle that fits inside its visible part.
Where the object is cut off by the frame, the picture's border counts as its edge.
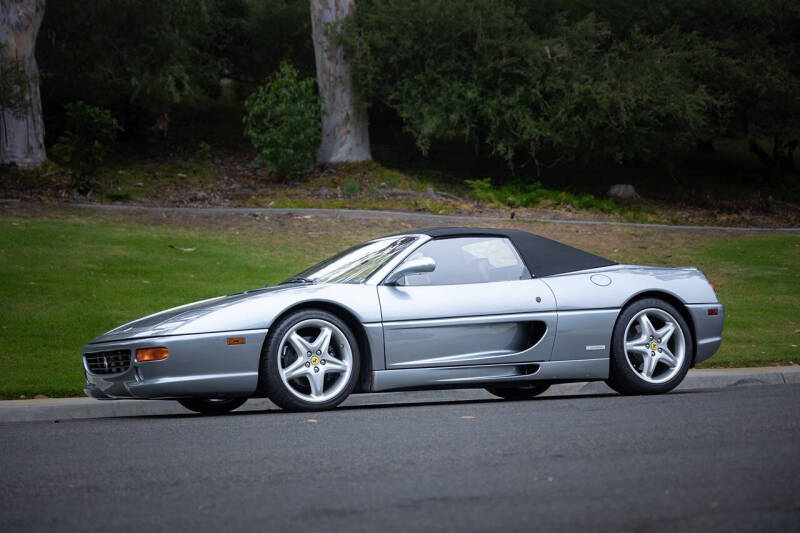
(261, 310)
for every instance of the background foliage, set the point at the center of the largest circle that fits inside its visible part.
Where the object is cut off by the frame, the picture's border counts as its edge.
(533, 84)
(141, 58)
(561, 81)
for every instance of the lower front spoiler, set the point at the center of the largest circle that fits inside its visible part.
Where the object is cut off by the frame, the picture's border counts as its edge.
(93, 391)
(201, 365)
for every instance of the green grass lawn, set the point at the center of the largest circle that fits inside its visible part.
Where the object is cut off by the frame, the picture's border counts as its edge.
(65, 280)
(758, 280)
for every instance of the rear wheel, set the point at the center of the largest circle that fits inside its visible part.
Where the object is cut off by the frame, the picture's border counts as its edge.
(652, 348)
(311, 361)
(519, 392)
(212, 406)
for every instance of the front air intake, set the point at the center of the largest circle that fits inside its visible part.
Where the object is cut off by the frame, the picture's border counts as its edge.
(112, 362)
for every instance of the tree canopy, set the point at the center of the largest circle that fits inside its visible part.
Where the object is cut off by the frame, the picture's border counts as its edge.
(560, 80)
(535, 83)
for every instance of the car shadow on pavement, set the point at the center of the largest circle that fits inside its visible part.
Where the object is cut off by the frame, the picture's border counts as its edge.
(405, 404)
(402, 404)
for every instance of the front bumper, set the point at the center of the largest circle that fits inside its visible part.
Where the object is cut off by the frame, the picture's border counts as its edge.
(198, 365)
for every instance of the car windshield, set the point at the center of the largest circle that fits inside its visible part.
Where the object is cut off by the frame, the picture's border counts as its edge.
(356, 264)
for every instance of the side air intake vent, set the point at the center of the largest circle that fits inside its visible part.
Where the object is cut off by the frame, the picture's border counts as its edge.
(528, 370)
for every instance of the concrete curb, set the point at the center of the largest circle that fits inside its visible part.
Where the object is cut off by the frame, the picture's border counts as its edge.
(78, 408)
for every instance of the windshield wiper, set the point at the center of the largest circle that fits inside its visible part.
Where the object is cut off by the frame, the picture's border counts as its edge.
(296, 279)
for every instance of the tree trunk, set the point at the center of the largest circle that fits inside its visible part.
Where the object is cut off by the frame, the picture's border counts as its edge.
(345, 128)
(22, 129)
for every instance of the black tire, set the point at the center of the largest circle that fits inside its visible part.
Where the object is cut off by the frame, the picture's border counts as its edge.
(277, 390)
(519, 392)
(211, 406)
(622, 377)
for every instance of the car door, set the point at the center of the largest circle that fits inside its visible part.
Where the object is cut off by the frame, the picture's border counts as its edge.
(479, 306)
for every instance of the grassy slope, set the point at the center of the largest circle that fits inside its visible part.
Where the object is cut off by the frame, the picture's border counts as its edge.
(66, 280)
(758, 279)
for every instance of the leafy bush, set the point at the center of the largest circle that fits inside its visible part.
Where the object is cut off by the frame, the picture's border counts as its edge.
(477, 70)
(481, 190)
(86, 143)
(203, 152)
(351, 188)
(283, 121)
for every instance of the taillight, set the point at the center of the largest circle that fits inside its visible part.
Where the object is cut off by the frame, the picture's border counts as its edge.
(713, 311)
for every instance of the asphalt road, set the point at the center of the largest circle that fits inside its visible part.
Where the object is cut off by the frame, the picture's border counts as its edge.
(724, 459)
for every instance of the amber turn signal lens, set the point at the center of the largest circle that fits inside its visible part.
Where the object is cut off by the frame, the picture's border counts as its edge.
(151, 354)
(235, 340)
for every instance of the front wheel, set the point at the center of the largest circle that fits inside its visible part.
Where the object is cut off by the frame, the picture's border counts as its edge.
(652, 348)
(311, 361)
(212, 406)
(519, 392)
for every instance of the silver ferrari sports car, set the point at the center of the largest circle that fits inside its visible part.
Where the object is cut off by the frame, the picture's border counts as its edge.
(500, 309)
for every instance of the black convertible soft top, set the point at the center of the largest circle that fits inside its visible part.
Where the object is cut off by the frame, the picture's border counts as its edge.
(542, 256)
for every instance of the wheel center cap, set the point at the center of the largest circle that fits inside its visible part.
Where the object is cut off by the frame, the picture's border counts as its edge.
(315, 360)
(654, 345)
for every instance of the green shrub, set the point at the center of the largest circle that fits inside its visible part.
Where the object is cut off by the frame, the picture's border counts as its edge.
(203, 152)
(119, 195)
(283, 122)
(351, 188)
(481, 190)
(86, 143)
(519, 194)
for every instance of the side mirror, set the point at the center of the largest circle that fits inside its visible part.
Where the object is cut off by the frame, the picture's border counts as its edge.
(420, 265)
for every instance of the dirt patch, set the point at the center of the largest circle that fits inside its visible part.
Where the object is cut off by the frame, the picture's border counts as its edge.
(228, 179)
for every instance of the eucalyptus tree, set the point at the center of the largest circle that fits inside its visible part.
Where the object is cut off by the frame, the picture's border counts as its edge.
(345, 126)
(21, 124)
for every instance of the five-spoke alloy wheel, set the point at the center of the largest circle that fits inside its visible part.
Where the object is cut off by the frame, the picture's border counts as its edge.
(311, 361)
(652, 348)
